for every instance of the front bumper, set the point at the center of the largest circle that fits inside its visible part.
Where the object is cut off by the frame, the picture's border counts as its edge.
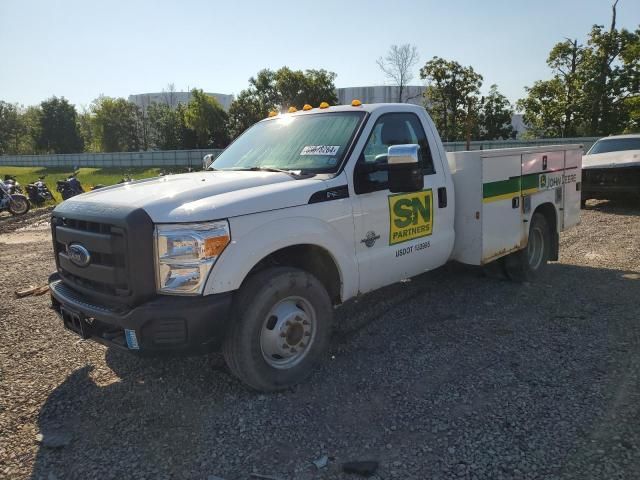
(610, 183)
(163, 324)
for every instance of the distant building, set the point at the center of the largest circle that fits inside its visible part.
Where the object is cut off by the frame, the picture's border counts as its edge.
(143, 100)
(375, 94)
(380, 94)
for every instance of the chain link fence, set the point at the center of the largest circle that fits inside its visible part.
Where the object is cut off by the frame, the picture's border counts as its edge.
(193, 158)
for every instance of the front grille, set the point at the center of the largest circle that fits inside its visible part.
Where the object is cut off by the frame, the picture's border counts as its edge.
(622, 176)
(120, 246)
(106, 273)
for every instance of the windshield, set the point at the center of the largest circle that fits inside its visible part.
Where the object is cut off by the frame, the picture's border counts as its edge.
(315, 143)
(615, 145)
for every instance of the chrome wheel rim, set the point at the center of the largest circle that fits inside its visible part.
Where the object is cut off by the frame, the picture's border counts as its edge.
(19, 205)
(288, 332)
(535, 249)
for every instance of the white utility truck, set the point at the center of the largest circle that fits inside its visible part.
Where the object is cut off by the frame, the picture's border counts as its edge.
(301, 213)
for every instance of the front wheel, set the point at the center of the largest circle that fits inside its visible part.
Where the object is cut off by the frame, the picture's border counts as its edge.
(19, 205)
(281, 328)
(524, 265)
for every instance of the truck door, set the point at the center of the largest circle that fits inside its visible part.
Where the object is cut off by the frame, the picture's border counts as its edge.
(399, 235)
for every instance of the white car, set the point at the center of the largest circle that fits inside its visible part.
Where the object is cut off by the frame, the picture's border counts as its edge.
(611, 168)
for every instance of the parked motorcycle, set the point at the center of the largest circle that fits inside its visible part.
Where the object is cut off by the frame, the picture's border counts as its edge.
(15, 203)
(39, 192)
(70, 187)
(12, 184)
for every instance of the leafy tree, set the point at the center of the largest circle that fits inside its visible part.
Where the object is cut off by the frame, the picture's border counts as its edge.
(278, 90)
(398, 64)
(116, 125)
(31, 125)
(495, 116)
(451, 97)
(207, 119)
(187, 136)
(319, 87)
(11, 128)
(58, 127)
(566, 59)
(165, 126)
(594, 87)
(87, 128)
(543, 108)
(245, 110)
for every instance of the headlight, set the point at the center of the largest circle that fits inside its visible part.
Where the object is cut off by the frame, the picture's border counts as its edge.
(185, 254)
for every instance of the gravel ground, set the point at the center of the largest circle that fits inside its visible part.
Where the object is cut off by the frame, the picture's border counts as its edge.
(455, 374)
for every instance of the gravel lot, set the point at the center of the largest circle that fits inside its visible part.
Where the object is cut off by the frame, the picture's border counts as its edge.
(456, 374)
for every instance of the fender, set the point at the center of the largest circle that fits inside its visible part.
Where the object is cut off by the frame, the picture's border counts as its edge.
(252, 241)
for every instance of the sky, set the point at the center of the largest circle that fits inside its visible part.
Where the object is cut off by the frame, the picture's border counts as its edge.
(81, 49)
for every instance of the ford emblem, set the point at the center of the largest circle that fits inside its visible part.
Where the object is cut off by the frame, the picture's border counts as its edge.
(78, 255)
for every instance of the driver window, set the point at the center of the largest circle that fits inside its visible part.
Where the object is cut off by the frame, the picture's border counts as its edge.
(395, 129)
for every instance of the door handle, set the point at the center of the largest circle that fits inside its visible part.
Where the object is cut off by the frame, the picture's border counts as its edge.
(442, 197)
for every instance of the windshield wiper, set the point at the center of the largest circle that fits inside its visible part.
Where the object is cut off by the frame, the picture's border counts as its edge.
(293, 173)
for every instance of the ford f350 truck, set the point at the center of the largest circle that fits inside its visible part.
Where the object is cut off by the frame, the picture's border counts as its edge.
(301, 213)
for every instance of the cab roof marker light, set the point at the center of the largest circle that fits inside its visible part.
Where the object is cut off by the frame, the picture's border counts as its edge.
(292, 109)
(273, 113)
(324, 105)
(356, 103)
(307, 107)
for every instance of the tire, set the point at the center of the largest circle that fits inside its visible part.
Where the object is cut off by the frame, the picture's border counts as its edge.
(270, 312)
(525, 264)
(19, 205)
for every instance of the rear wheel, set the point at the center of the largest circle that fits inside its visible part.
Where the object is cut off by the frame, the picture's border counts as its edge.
(524, 264)
(281, 328)
(19, 205)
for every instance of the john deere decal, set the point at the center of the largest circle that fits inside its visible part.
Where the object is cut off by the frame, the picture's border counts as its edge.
(410, 216)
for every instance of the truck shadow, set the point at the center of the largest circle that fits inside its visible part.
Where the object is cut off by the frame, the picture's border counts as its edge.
(448, 344)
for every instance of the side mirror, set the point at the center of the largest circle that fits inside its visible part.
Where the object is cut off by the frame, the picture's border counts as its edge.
(405, 173)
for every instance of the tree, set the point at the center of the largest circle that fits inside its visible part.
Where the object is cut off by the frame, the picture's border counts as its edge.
(187, 136)
(451, 96)
(612, 76)
(170, 97)
(278, 90)
(207, 119)
(165, 127)
(566, 59)
(11, 128)
(116, 125)
(245, 110)
(58, 127)
(594, 88)
(398, 64)
(495, 116)
(543, 108)
(30, 121)
(86, 126)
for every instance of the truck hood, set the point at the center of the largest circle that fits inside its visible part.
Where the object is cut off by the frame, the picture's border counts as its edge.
(208, 195)
(624, 158)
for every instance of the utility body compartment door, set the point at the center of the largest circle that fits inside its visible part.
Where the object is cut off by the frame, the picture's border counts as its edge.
(501, 209)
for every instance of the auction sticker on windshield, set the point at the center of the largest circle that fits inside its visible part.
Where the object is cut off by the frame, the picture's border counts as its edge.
(410, 216)
(331, 150)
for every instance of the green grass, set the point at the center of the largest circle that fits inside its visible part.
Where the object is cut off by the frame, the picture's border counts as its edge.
(89, 177)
